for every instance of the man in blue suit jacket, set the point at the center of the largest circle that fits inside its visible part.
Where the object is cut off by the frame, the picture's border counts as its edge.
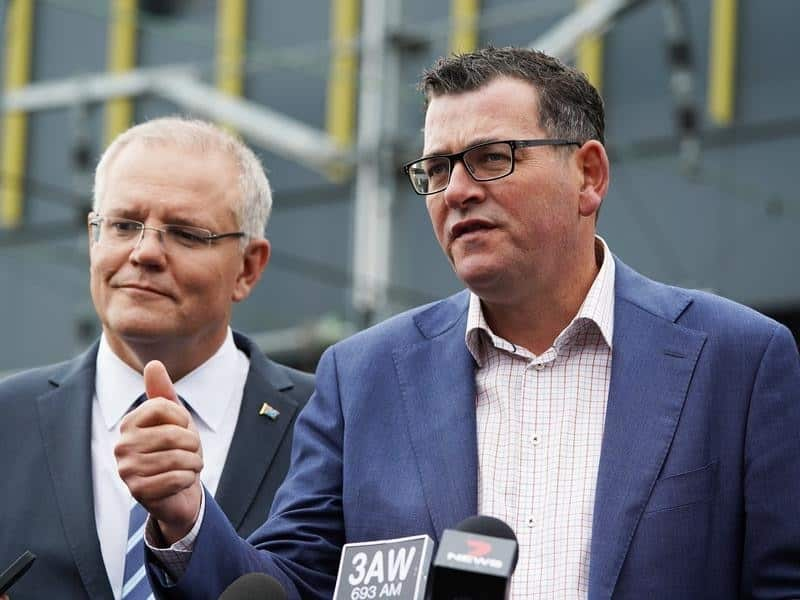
(163, 290)
(677, 473)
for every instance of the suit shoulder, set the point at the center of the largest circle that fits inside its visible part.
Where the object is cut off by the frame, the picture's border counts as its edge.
(719, 313)
(695, 309)
(30, 381)
(411, 326)
(301, 379)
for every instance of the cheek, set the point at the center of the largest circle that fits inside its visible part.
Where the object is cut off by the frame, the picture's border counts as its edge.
(438, 216)
(213, 283)
(101, 267)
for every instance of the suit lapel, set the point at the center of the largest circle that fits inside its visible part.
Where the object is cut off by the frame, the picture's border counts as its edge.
(256, 438)
(440, 414)
(65, 415)
(652, 364)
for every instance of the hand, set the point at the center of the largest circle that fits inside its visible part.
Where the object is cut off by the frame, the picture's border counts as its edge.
(159, 456)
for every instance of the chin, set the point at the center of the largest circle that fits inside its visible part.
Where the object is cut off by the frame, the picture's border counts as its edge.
(141, 325)
(141, 332)
(483, 281)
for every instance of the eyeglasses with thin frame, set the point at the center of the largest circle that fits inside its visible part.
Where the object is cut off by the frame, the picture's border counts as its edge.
(484, 162)
(119, 231)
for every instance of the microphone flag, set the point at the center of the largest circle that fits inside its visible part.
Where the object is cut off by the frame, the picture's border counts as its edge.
(394, 569)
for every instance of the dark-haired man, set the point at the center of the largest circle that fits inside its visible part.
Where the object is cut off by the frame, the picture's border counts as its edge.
(640, 439)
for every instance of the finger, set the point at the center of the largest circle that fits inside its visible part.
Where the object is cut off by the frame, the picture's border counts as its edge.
(157, 411)
(148, 490)
(157, 463)
(157, 382)
(156, 439)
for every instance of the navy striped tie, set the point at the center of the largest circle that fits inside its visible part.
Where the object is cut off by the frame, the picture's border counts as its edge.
(134, 583)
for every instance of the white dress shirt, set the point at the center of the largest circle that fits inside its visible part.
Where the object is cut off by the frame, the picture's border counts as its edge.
(213, 391)
(540, 426)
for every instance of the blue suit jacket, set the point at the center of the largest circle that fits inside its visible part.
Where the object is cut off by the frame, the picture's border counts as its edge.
(46, 502)
(698, 490)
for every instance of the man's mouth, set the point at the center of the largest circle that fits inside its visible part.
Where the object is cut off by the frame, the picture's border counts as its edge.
(138, 287)
(469, 226)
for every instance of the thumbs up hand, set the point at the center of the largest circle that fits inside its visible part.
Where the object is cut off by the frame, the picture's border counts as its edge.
(157, 382)
(159, 456)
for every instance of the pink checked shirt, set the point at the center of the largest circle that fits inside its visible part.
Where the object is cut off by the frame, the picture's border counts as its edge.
(540, 426)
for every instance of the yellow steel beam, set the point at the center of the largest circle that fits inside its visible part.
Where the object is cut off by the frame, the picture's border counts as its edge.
(341, 103)
(231, 41)
(464, 15)
(121, 58)
(589, 57)
(722, 61)
(18, 38)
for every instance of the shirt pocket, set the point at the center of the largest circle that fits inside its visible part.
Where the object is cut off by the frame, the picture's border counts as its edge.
(683, 489)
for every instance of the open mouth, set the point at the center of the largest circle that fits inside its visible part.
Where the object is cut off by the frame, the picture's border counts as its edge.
(466, 227)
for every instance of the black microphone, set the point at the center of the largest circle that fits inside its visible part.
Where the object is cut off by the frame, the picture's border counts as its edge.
(396, 569)
(254, 586)
(475, 561)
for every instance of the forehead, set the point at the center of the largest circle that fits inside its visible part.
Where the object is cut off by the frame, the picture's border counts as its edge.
(505, 108)
(170, 178)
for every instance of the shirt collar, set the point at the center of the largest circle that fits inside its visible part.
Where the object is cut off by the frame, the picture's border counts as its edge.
(597, 307)
(118, 386)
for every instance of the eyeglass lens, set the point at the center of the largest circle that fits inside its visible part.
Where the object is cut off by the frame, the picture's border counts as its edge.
(486, 162)
(126, 232)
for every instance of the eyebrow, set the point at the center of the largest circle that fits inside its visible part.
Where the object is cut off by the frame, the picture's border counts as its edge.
(136, 215)
(474, 142)
(183, 221)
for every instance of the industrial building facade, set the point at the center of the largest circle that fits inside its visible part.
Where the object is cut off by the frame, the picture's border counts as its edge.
(702, 124)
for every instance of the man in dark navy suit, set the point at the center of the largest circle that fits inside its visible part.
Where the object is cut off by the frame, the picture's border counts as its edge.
(176, 237)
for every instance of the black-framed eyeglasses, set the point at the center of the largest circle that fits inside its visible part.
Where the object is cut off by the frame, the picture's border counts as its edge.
(119, 231)
(484, 162)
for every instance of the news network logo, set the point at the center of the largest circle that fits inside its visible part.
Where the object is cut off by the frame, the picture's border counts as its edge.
(465, 551)
(476, 555)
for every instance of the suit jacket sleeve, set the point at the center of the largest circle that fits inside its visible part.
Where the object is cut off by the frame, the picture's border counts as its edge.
(301, 542)
(771, 561)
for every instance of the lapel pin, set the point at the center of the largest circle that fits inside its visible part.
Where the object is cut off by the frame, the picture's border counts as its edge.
(268, 411)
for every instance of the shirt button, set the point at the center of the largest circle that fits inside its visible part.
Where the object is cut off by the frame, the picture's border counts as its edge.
(530, 522)
(538, 366)
(536, 439)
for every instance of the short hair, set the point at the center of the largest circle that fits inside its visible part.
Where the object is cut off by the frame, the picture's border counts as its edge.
(569, 106)
(255, 201)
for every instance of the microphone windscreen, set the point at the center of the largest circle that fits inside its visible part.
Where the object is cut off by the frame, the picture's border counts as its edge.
(485, 525)
(254, 586)
(492, 527)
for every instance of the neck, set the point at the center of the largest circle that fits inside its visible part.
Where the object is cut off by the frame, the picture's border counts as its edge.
(180, 357)
(534, 317)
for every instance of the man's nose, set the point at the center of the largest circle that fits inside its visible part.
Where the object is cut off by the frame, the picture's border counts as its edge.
(462, 188)
(149, 248)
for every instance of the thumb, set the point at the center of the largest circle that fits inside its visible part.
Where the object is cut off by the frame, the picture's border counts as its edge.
(157, 382)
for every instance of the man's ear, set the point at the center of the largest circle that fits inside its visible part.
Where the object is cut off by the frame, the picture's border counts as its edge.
(89, 231)
(254, 260)
(593, 164)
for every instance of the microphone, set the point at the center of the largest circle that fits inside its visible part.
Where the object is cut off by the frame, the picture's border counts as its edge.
(475, 561)
(396, 569)
(254, 586)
